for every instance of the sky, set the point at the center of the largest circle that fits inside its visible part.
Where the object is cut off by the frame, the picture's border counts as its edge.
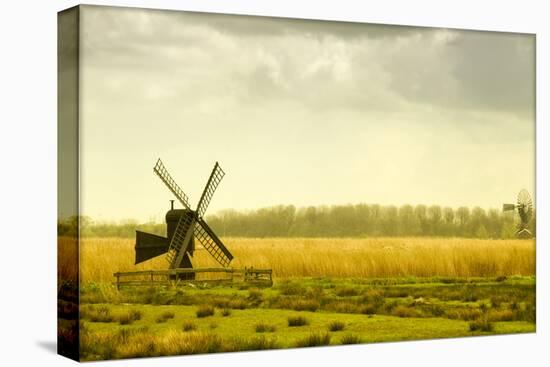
(299, 112)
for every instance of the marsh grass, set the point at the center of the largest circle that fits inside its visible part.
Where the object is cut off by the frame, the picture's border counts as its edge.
(263, 327)
(328, 257)
(294, 321)
(314, 340)
(189, 326)
(165, 316)
(350, 339)
(336, 326)
(205, 311)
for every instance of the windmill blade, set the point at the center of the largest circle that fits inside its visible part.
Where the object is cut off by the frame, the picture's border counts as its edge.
(208, 239)
(180, 240)
(162, 172)
(213, 182)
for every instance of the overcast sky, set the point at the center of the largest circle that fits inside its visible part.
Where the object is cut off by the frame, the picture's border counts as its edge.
(300, 112)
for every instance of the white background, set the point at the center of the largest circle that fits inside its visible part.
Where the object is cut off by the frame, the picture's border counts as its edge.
(28, 182)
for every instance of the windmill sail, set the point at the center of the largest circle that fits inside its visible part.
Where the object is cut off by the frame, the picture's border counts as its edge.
(162, 172)
(213, 182)
(208, 239)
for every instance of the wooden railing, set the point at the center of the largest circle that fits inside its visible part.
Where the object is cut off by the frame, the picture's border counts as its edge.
(177, 276)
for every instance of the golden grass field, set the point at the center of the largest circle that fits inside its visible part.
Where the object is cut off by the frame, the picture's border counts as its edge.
(330, 257)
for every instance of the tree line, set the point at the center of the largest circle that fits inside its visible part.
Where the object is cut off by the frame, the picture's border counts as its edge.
(361, 220)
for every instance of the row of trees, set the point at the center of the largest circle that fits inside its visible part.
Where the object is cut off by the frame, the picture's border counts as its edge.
(360, 220)
(366, 220)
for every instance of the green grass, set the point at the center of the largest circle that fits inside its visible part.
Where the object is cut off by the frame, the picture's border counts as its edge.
(349, 311)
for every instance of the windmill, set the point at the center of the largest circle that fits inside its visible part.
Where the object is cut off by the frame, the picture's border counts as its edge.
(184, 227)
(524, 207)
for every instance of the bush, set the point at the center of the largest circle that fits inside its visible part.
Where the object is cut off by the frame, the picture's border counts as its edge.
(205, 311)
(314, 340)
(481, 325)
(226, 312)
(336, 326)
(263, 328)
(297, 321)
(189, 326)
(350, 339)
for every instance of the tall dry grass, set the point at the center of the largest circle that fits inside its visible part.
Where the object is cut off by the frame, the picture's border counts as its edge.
(298, 257)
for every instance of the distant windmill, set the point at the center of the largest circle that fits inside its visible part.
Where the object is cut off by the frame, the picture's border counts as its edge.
(183, 227)
(524, 208)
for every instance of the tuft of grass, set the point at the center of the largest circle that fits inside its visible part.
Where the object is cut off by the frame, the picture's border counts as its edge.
(481, 324)
(189, 326)
(129, 317)
(205, 311)
(255, 343)
(314, 340)
(254, 294)
(347, 292)
(404, 311)
(306, 305)
(238, 303)
(262, 327)
(297, 321)
(350, 339)
(336, 326)
(500, 315)
(165, 316)
(226, 312)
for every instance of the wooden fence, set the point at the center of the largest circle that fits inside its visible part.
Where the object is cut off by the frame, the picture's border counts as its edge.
(198, 275)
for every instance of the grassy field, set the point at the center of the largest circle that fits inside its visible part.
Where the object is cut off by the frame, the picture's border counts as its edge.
(326, 292)
(342, 258)
(139, 322)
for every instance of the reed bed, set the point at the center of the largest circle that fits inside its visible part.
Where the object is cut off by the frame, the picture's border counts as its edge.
(329, 257)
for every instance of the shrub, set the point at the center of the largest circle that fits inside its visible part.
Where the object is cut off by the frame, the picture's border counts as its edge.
(189, 326)
(350, 339)
(336, 326)
(481, 325)
(226, 312)
(314, 340)
(263, 328)
(297, 321)
(205, 311)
